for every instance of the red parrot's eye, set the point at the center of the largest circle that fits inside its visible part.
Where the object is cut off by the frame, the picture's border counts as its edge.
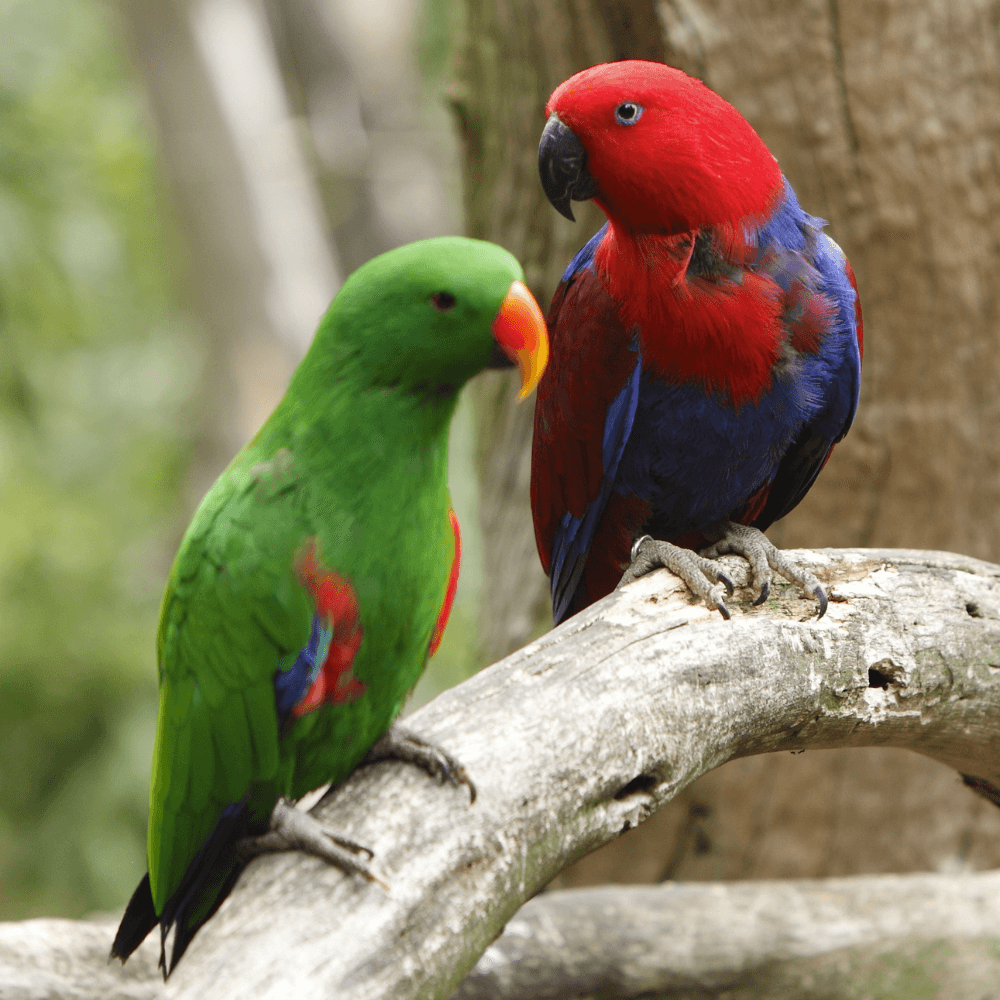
(628, 113)
(443, 301)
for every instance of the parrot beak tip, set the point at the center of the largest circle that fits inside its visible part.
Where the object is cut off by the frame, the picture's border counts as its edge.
(562, 167)
(520, 331)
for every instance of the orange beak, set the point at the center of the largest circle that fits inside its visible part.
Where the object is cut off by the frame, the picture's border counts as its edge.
(519, 328)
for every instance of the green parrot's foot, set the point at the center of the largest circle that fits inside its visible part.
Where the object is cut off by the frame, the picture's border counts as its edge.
(763, 557)
(292, 829)
(703, 576)
(398, 743)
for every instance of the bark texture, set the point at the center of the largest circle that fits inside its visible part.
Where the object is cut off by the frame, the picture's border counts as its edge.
(885, 118)
(584, 734)
(750, 939)
(906, 936)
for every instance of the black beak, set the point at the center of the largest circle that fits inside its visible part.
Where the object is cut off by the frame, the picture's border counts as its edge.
(562, 165)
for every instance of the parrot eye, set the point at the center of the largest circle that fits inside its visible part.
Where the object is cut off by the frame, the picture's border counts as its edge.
(628, 113)
(443, 301)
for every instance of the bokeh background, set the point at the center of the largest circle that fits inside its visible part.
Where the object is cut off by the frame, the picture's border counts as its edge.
(182, 188)
(183, 185)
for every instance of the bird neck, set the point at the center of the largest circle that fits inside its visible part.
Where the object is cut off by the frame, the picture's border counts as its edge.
(702, 314)
(363, 433)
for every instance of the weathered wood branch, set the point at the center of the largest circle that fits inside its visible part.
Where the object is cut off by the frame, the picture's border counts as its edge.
(708, 938)
(764, 940)
(583, 734)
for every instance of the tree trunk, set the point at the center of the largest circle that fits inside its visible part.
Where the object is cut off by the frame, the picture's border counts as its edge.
(885, 119)
(255, 258)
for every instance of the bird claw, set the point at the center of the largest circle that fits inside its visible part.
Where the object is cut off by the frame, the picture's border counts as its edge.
(292, 829)
(764, 557)
(720, 604)
(698, 569)
(705, 577)
(399, 743)
(820, 594)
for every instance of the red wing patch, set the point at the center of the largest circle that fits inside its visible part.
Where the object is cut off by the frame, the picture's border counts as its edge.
(449, 594)
(809, 316)
(337, 608)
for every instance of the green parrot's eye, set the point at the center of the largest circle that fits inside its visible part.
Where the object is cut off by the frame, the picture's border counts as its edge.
(443, 301)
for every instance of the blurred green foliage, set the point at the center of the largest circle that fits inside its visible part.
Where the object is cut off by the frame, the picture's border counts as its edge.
(97, 366)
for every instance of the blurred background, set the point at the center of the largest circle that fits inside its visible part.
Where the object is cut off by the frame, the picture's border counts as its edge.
(182, 188)
(183, 185)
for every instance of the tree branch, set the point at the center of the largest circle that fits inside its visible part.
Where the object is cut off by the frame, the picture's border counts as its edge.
(761, 940)
(708, 938)
(585, 732)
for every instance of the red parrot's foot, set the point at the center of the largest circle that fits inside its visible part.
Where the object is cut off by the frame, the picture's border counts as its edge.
(763, 557)
(292, 829)
(399, 743)
(703, 576)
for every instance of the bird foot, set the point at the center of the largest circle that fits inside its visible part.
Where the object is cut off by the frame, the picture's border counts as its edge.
(291, 829)
(763, 557)
(703, 576)
(399, 743)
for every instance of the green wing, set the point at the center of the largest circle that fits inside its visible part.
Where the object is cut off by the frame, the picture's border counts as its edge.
(232, 610)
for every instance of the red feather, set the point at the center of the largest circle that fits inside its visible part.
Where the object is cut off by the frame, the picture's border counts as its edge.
(337, 603)
(612, 546)
(857, 307)
(587, 369)
(725, 335)
(449, 594)
(690, 162)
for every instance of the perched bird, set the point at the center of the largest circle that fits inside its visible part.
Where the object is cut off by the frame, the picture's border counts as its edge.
(706, 343)
(317, 577)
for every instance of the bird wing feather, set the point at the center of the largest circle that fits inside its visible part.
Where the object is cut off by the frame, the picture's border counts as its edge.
(233, 611)
(583, 416)
(844, 346)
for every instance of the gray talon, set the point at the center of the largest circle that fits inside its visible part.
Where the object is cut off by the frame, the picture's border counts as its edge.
(763, 557)
(820, 596)
(697, 569)
(291, 829)
(398, 743)
(705, 578)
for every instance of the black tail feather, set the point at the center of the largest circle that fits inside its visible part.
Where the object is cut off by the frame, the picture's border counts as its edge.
(206, 883)
(139, 919)
(186, 927)
(209, 878)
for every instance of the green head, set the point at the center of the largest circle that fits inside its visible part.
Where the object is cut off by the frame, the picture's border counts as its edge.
(428, 316)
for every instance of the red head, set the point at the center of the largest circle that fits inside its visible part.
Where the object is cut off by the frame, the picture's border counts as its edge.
(656, 149)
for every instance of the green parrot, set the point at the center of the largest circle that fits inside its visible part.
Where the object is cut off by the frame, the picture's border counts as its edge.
(317, 576)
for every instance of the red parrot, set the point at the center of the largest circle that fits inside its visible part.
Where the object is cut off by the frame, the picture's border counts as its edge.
(705, 344)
